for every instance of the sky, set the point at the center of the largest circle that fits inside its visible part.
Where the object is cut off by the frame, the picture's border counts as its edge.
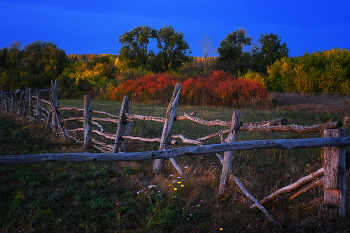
(91, 26)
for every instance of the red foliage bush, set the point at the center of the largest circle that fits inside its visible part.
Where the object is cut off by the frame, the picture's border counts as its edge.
(219, 89)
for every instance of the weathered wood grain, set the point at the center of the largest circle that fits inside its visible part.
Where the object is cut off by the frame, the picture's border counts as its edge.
(174, 153)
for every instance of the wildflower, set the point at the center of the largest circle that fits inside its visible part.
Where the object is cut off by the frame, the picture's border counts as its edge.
(182, 185)
(197, 205)
(174, 181)
(175, 189)
(171, 175)
(186, 167)
(201, 200)
(221, 229)
(179, 182)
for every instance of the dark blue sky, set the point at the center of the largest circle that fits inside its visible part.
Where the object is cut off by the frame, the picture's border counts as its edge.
(81, 27)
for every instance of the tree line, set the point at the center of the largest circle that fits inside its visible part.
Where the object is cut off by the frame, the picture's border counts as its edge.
(146, 52)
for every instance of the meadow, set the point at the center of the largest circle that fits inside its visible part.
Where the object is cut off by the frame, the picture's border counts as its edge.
(128, 197)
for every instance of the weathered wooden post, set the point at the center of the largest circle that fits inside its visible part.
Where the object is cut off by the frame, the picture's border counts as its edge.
(12, 101)
(25, 103)
(38, 102)
(334, 184)
(87, 121)
(20, 104)
(127, 128)
(5, 101)
(164, 141)
(120, 123)
(54, 97)
(226, 165)
(30, 104)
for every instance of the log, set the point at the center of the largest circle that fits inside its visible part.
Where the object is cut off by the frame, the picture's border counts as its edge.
(293, 187)
(226, 166)
(120, 123)
(164, 143)
(87, 121)
(174, 153)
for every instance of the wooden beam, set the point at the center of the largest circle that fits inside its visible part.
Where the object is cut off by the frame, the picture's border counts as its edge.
(174, 153)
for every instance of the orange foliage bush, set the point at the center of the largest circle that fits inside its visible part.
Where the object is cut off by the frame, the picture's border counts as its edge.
(219, 89)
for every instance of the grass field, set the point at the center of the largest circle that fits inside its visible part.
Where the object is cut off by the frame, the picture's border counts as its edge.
(127, 197)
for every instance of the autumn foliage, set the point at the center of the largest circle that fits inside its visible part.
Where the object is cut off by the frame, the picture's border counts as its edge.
(219, 89)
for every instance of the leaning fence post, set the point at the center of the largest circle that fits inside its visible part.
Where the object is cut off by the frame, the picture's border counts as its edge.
(54, 97)
(127, 128)
(87, 121)
(49, 116)
(226, 165)
(164, 141)
(31, 115)
(334, 184)
(5, 102)
(120, 123)
(38, 101)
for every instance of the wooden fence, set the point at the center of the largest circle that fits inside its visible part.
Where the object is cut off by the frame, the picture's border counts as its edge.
(332, 175)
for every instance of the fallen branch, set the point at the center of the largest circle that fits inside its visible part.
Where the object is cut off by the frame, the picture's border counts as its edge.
(98, 125)
(102, 149)
(141, 139)
(292, 187)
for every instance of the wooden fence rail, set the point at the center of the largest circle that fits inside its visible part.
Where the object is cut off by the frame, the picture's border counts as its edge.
(332, 174)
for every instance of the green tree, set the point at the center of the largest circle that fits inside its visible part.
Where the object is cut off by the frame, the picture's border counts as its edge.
(134, 52)
(14, 55)
(271, 49)
(232, 52)
(173, 48)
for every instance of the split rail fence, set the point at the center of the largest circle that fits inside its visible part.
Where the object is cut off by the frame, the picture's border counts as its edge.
(332, 175)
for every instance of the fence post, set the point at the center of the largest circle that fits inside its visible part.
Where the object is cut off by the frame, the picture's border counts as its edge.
(25, 103)
(54, 97)
(164, 141)
(4, 96)
(30, 105)
(12, 101)
(49, 116)
(226, 165)
(334, 184)
(120, 123)
(127, 128)
(87, 121)
(20, 104)
(38, 110)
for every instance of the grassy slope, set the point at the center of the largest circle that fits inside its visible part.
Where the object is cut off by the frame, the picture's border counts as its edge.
(125, 196)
